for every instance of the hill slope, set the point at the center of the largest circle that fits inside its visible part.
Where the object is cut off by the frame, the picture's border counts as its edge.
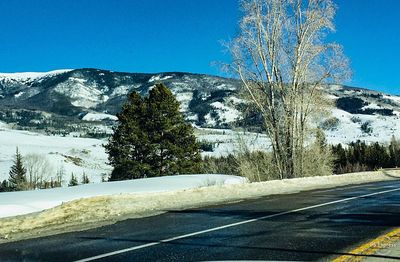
(86, 100)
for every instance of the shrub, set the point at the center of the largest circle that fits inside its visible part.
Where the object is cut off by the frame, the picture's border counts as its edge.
(206, 146)
(366, 127)
(330, 124)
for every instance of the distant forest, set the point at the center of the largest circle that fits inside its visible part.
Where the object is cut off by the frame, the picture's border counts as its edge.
(359, 156)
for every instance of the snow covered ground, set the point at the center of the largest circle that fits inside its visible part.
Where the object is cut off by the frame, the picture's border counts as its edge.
(25, 76)
(349, 128)
(19, 203)
(86, 155)
(226, 141)
(77, 155)
(98, 117)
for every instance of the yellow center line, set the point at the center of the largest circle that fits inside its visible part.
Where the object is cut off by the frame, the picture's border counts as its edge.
(371, 247)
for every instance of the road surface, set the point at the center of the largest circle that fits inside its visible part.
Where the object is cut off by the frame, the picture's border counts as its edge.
(313, 225)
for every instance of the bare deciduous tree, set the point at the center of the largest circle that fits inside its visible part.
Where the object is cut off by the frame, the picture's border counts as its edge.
(284, 61)
(39, 170)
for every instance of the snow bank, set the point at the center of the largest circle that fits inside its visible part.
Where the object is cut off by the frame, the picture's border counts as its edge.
(102, 210)
(19, 203)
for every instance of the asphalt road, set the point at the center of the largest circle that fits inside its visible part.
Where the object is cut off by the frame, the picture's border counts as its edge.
(313, 225)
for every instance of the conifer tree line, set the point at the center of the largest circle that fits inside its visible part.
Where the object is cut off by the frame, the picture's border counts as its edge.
(359, 156)
(152, 138)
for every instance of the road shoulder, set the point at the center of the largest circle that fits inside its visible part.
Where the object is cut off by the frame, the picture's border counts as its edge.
(98, 211)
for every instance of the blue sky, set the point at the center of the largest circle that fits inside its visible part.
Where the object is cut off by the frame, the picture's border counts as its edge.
(176, 35)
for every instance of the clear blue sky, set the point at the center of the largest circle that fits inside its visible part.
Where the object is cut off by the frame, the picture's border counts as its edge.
(176, 35)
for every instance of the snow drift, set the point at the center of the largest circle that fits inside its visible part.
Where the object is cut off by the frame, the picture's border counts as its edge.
(24, 202)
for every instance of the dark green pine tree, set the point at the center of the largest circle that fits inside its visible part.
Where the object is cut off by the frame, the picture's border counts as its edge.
(152, 138)
(128, 147)
(73, 181)
(174, 149)
(340, 157)
(4, 187)
(85, 179)
(17, 178)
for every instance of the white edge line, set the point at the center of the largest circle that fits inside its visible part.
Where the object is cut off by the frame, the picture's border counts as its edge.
(228, 226)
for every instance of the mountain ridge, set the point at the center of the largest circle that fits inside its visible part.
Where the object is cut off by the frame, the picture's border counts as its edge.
(70, 99)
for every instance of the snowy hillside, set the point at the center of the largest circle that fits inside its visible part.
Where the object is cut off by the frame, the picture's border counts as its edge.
(30, 76)
(75, 93)
(84, 102)
(77, 155)
(93, 95)
(349, 128)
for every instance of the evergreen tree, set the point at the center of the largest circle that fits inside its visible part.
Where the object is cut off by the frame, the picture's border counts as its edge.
(152, 138)
(359, 156)
(377, 156)
(4, 187)
(85, 179)
(17, 179)
(128, 147)
(340, 157)
(174, 149)
(73, 181)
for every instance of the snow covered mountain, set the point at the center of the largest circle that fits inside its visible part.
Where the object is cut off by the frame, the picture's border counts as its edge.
(93, 97)
(76, 93)
(84, 102)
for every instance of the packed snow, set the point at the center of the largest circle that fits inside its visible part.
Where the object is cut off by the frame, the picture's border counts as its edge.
(159, 78)
(120, 90)
(226, 114)
(372, 106)
(18, 94)
(184, 99)
(19, 203)
(82, 93)
(24, 76)
(395, 99)
(98, 117)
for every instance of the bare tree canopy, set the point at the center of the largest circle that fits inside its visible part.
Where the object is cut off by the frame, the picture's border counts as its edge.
(284, 61)
(39, 170)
